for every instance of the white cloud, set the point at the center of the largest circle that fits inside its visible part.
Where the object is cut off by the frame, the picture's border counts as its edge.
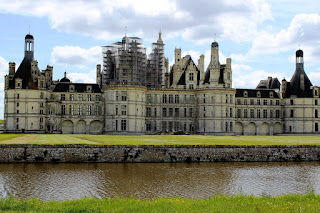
(3, 68)
(104, 19)
(83, 77)
(315, 78)
(76, 56)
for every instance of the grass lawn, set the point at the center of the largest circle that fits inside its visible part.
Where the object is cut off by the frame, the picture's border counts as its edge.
(239, 203)
(157, 139)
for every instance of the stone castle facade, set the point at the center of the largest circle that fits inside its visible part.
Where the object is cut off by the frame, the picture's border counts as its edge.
(136, 94)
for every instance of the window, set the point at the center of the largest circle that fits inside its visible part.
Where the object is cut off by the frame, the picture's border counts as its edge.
(98, 98)
(148, 126)
(176, 126)
(226, 126)
(191, 112)
(316, 113)
(80, 110)
(258, 113)
(71, 110)
(117, 96)
(123, 96)
(231, 126)
(116, 127)
(185, 112)
(123, 109)
(258, 102)
(191, 99)
(148, 112)
(170, 112)
(170, 126)
(88, 109)
(291, 102)
(116, 109)
(238, 101)
(41, 95)
(251, 102)
(155, 98)
(170, 99)
(176, 112)
(265, 102)
(190, 76)
(63, 97)
(80, 97)
(155, 112)
(88, 97)
(17, 111)
(164, 98)
(251, 113)
(245, 113)
(271, 102)
(238, 113)
(271, 113)
(148, 98)
(277, 113)
(185, 99)
(245, 102)
(226, 99)
(316, 127)
(176, 99)
(63, 109)
(164, 112)
(231, 113)
(315, 102)
(291, 113)
(164, 126)
(97, 110)
(71, 97)
(18, 96)
(17, 104)
(265, 113)
(190, 86)
(123, 125)
(277, 102)
(41, 111)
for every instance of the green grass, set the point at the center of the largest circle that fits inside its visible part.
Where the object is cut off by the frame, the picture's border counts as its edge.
(220, 203)
(1, 121)
(157, 139)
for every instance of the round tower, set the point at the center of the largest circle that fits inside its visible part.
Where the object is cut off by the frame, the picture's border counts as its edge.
(29, 46)
(214, 53)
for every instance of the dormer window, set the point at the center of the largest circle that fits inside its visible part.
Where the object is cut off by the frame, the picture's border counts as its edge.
(245, 94)
(259, 94)
(89, 88)
(71, 88)
(271, 94)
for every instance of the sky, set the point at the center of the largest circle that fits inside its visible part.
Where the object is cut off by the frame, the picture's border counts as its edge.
(260, 36)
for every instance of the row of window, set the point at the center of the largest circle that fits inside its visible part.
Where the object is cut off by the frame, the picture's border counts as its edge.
(80, 97)
(72, 110)
(257, 114)
(173, 112)
(257, 102)
(123, 125)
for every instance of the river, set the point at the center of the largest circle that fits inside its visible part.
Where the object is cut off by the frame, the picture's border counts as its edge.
(146, 180)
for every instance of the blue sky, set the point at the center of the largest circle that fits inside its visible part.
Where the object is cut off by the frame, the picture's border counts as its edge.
(260, 36)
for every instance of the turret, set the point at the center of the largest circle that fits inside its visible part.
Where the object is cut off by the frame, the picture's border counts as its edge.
(29, 47)
(215, 53)
(284, 84)
(159, 39)
(12, 68)
(201, 68)
(99, 76)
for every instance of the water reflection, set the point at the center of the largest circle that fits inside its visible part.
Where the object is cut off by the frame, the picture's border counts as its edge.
(198, 180)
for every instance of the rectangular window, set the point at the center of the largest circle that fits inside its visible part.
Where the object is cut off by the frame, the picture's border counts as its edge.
(291, 113)
(155, 112)
(71, 97)
(148, 112)
(251, 102)
(117, 110)
(245, 102)
(316, 113)
(245, 113)
(185, 112)
(176, 126)
(98, 98)
(123, 125)
(277, 102)
(123, 109)
(231, 113)
(71, 110)
(238, 101)
(148, 98)
(80, 110)
(170, 126)
(63, 109)
(41, 95)
(191, 86)
(265, 113)
(315, 102)
(271, 113)
(170, 99)
(277, 113)
(164, 98)
(258, 102)
(63, 97)
(148, 126)
(191, 98)
(231, 126)
(226, 99)
(185, 99)
(265, 102)
(190, 76)
(164, 112)
(155, 98)
(117, 96)
(17, 104)
(170, 112)
(238, 113)
(191, 112)
(316, 127)
(97, 110)
(271, 102)
(123, 96)
(18, 96)
(176, 99)
(258, 113)
(176, 112)
(291, 102)
(88, 109)
(80, 97)
(251, 113)
(116, 127)
(88, 97)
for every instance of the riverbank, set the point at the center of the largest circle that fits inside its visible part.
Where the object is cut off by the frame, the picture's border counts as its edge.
(239, 203)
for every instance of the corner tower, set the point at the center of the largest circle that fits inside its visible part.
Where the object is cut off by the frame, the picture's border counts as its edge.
(29, 47)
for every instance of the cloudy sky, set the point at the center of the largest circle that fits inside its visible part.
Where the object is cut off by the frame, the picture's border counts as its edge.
(260, 36)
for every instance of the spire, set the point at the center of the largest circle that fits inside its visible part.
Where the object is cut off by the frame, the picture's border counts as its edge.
(159, 39)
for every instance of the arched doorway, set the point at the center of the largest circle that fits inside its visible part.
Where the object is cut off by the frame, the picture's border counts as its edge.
(239, 128)
(67, 127)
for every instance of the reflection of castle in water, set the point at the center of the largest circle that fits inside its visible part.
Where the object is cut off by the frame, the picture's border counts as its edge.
(139, 94)
(72, 181)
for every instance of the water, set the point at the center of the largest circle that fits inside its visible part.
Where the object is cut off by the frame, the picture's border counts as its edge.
(197, 180)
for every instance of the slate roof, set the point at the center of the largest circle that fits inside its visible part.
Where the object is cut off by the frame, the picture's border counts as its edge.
(252, 93)
(295, 83)
(78, 87)
(24, 72)
(269, 84)
(221, 77)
